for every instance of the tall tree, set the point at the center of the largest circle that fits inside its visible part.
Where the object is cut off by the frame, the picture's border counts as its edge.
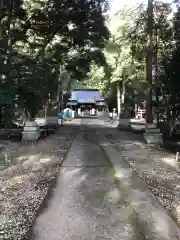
(149, 61)
(38, 37)
(124, 69)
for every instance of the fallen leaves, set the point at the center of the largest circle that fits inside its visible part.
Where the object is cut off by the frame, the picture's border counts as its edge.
(151, 165)
(24, 186)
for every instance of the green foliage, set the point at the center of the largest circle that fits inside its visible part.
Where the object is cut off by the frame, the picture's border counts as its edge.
(39, 37)
(130, 51)
(97, 78)
(125, 51)
(120, 65)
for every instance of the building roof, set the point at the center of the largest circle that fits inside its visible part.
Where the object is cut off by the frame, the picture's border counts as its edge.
(71, 103)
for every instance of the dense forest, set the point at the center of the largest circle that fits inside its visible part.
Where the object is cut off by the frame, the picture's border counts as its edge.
(126, 70)
(44, 45)
(48, 45)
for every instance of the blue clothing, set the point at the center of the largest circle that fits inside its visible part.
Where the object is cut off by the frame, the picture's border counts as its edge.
(61, 115)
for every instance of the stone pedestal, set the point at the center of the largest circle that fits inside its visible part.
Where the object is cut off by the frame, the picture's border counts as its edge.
(152, 134)
(137, 124)
(52, 123)
(31, 132)
(52, 120)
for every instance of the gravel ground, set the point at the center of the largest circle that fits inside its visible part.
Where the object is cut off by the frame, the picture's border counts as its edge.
(25, 184)
(156, 166)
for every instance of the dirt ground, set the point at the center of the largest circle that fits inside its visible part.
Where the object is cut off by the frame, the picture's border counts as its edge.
(25, 179)
(31, 169)
(155, 165)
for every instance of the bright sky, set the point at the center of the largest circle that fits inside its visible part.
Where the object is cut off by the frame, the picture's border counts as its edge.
(115, 5)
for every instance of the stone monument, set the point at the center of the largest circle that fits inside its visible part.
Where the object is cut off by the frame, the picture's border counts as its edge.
(152, 134)
(31, 131)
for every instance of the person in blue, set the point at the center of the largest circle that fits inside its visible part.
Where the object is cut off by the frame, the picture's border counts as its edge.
(68, 115)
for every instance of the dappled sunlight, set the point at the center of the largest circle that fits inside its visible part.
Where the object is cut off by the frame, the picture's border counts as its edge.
(135, 144)
(139, 144)
(90, 123)
(163, 176)
(25, 181)
(148, 213)
(123, 173)
(113, 195)
(69, 173)
(45, 160)
(105, 144)
(34, 157)
(22, 158)
(78, 180)
(83, 177)
(138, 205)
(139, 198)
(74, 176)
(33, 163)
(28, 157)
(138, 211)
(127, 211)
(176, 211)
(170, 161)
(161, 225)
(17, 179)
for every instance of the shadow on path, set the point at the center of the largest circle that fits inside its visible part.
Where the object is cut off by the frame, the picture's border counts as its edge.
(88, 203)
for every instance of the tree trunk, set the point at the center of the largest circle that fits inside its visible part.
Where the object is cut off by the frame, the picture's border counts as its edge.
(118, 99)
(24, 116)
(149, 116)
(135, 109)
(171, 121)
(58, 99)
(6, 47)
(157, 107)
(123, 92)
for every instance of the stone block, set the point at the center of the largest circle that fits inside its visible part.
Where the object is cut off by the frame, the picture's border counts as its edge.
(41, 121)
(137, 124)
(153, 138)
(138, 127)
(31, 132)
(151, 126)
(153, 131)
(52, 120)
(152, 134)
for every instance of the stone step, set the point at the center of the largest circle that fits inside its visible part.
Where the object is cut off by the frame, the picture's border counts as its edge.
(153, 131)
(153, 138)
(151, 126)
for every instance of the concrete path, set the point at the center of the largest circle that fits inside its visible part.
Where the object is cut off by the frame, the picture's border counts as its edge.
(89, 204)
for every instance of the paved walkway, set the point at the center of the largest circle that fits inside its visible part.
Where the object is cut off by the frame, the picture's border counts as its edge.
(88, 204)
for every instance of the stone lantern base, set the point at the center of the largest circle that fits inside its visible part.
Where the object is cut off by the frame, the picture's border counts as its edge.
(152, 134)
(31, 132)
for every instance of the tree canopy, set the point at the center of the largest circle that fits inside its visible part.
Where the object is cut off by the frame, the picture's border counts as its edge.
(126, 51)
(39, 38)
